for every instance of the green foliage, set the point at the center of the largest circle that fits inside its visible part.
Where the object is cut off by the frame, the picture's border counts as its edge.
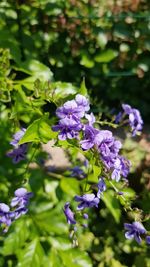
(32, 255)
(112, 204)
(105, 42)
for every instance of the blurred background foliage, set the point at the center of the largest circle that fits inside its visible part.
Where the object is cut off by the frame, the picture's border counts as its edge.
(47, 48)
(107, 42)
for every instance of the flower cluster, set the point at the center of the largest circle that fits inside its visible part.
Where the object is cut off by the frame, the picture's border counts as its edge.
(19, 206)
(108, 148)
(103, 141)
(134, 118)
(76, 122)
(19, 151)
(70, 115)
(135, 230)
(85, 201)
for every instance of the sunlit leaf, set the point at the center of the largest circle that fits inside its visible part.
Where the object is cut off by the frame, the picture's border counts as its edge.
(32, 255)
(38, 131)
(106, 56)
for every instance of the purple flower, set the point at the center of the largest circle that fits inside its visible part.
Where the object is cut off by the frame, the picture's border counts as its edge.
(108, 146)
(116, 170)
(120, 193)
(125, 166)
(77, 172)
(70, 115)
(85, 216)
(5, 216)
(17, 136)
(134, 230)
(20, 211)
(135, 119)
(101, 187)
(21, 198)
(148, 239)
(68, 128)
(73, 109)
(127, 108)
(18, 154)
(69, 214)
(87, 201)
(90, 118)
(118, 117)
(121, 166)
(84, 225)
(90, 134)
(19, 151)
(86, 163)
(20, 201)
(82, 102)
(70, 110)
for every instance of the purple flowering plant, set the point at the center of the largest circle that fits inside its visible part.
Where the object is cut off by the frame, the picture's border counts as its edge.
(73, 189)
(104, 149)
(103, 171)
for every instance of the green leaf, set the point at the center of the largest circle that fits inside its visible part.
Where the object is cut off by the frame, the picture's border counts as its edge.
(102, 39)
(75, 257)
(70, 186)
(94, 175)
(96, 171)
(52, 221)
(83, 89)
(112, 204)
(87, 62)
(61, 91)
(60, 243)
(55, 259)
(116, 263)
(38, 131)
(106, 56)
(129, 193)
(32, 255)
(37, 69)
(16, 239)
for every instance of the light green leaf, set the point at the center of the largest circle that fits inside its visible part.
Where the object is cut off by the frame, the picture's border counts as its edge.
(106, 56)
(96, 171)
(55, 260)
(83, 89)
(32, 255)
(116, 263)
(102, 39)
(70, 186)
(129, 193)
(87, 62)
(38, 131)
(38, 69)
(61, 90)
(60, 243)
(75, 257)
(16, 239)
